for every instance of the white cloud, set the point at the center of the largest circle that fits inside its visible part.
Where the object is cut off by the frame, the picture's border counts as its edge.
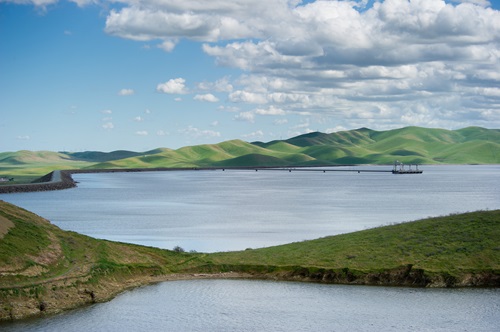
(108, 125)
(173, 86)
(280, 122)
(24, 137)
(161, 133)
(379, 63)
(247, 97)
(231, 109)
(254, 135)
(126, 92)
(167, 45)
(106, 111)
(82, 3)
(484, 3)
(271, 110)
(206, 97)
(37, 3)
(142, 133)
(245, 116)
(138, 119)
(335, 129)
(221, 85)
(199, 133)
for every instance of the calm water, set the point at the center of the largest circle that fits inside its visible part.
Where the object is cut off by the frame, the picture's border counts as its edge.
(211, 211)
(243, 305)
(217, 211)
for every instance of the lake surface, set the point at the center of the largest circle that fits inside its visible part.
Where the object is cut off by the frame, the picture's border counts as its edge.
(211, 211)
(232, 210)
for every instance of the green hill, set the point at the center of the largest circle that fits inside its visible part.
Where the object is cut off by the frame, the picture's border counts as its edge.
(472, 145)
(44, 269)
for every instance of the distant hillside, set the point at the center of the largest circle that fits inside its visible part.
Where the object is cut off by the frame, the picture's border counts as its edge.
(472, 145)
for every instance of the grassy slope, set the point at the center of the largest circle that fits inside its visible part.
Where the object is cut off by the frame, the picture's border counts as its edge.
(454, 244)
(43, 268)
(471, 145)
(410, 145)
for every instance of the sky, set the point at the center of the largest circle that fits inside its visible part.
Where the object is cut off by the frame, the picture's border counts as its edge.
(98, 75)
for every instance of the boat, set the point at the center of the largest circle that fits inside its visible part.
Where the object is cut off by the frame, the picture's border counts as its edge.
(400, 168)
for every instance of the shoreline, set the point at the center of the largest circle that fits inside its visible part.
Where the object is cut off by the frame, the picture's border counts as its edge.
(61, 299)
(58, 300)
(62, 179)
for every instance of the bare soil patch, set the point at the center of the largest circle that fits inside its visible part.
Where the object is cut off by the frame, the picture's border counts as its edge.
(5, 225)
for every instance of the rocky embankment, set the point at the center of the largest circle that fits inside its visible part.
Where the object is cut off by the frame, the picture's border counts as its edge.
(55, 180)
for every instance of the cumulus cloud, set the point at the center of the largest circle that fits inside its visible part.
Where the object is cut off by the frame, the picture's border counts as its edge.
(167, 45)
(173, 86)
(253, 135)
(23, 137)
(161, 133)
(271, 110)
(280, 122)
(142, 133)
(199, 133)
(484, 3)
(108, 125)
(247, 97)
(138, 119)
(245, 116)
(206, 97)
(221, 85)
(125, 92)
(379, 63)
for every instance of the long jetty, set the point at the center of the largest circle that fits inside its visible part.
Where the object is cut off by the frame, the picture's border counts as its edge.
(321, 170)
(62, 179)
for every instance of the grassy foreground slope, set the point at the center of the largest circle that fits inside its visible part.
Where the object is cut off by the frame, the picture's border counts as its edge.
(455, 244)
(44, 269)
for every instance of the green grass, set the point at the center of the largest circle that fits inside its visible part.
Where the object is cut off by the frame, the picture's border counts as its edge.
(454, 243)
(451, 244)
(471, 145)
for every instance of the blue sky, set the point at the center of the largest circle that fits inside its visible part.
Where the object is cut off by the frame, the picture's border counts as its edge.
(137, 75)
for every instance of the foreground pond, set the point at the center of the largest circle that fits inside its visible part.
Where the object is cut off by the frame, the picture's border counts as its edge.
(245, 305)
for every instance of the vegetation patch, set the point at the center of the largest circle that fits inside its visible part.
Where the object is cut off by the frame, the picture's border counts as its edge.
(73, 269)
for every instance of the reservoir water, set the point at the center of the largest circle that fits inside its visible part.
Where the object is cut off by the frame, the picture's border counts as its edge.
(234, 210)
(211, 211)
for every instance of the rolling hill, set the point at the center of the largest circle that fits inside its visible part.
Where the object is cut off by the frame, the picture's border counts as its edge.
(416, 145)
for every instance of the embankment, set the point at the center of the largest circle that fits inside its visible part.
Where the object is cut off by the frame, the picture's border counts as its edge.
(55, 180)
